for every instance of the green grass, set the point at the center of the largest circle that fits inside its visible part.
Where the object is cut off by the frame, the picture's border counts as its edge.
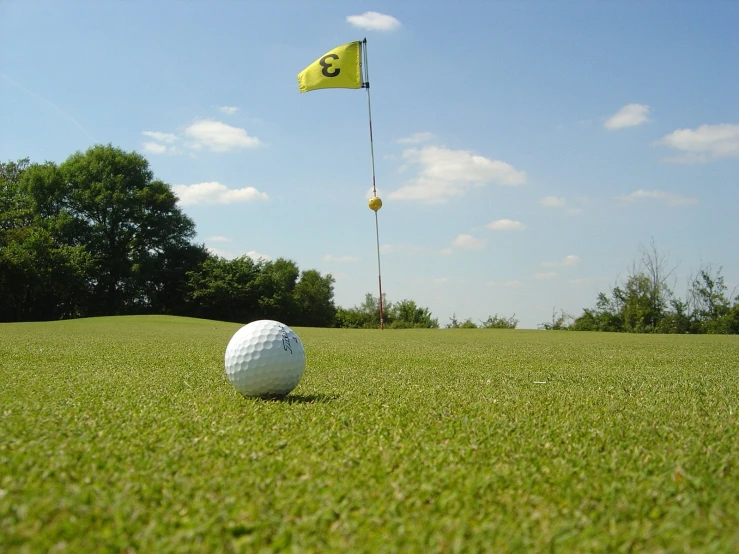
(124, 435)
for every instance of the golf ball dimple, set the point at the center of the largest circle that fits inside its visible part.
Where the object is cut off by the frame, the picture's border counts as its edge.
(265, 358)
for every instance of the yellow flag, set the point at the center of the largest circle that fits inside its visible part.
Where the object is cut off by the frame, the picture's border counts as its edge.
(338, 68)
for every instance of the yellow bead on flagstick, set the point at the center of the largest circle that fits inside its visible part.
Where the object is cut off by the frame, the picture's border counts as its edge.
(375, 203)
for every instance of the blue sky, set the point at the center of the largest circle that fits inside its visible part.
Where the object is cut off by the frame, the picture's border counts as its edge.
(525, 151)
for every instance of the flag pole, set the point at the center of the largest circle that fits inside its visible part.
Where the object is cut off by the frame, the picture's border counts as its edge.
(366, 85)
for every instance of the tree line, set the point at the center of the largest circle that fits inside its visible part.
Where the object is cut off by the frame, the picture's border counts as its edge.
(99, 235)
(645, 302)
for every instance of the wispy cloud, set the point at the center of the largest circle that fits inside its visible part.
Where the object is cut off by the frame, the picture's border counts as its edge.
(468, 242)
(416, 138)
(215, 193)
(49, 103)
(553, 202)
(154, 147)
(701, 145)
(340, 259)
(669, 198)
(506, 284)
(560, 203)
(506, 225)
(374, 21)
(228, 110)
(630, 115)
(445, 173)
(567, 261)
(167, 138)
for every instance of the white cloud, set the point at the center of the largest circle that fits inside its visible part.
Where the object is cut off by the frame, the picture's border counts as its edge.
(506, 225)
(341, 259)
(669, 198)
(445, 173)
(553, 202)
(468, 242)
(160, 143)
(256, 256)
(630, 115)
(221, 253)
(158, 136)
(506, 284)
(228, 110)
(374, 21)
(546, 275)
(218, 239)
(567, 261)
(707, 142)
(415, 138)
(215, 193)
(154, 148)
(218, 137)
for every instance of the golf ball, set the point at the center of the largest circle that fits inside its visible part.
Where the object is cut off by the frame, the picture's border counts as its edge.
(265, 358)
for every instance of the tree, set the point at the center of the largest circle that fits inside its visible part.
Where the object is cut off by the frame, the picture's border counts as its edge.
(108, 200)
(276, 287)
(366, 315)
(456, 324)
(314, 300)
(225, 290)
(710, 303)
(655, 266)
(406, 314)
(42, 280)
(500, 322)
(559, 322)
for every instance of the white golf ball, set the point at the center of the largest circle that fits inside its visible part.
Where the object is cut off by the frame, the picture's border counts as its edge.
(265, 358)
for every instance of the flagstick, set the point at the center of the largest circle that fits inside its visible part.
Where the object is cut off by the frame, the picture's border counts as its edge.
(366, 85)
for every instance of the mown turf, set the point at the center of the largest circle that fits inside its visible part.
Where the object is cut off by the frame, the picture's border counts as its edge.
(124, 435)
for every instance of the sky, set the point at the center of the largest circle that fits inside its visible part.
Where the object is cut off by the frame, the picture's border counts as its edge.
(525, 152)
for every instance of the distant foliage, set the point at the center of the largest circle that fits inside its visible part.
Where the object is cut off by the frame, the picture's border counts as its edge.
(454, 323)
(644, 303)
(405, 314)
(500, 322)
(492, 322)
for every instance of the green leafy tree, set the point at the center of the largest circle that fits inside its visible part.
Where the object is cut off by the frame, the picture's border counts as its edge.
(500, 322)
(454, 323)
(406, 314)
(559, 321)
(41, 277)
(276, 285)
(711, 306)
(125, 217)
(225, 290)
(42, 280)
(314, 300)
(366, 315)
